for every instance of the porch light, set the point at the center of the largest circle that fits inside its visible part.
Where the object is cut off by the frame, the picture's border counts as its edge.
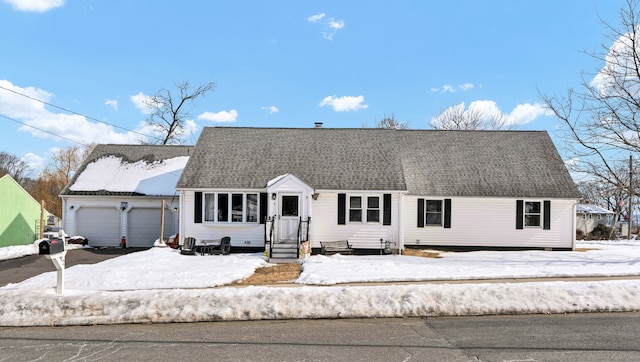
(315, 195)
(273, 196)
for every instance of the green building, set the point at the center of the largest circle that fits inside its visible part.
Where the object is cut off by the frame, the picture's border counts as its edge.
(19, 214)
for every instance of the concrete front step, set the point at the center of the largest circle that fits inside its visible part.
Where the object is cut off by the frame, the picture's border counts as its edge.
(284, 252)
(283, 260)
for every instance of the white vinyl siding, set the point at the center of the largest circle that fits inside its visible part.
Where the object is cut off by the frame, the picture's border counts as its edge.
(242, 234)
(361, 235)
(478, 222)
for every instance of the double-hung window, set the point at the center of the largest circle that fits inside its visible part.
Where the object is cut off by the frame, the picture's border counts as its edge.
(532, 214)
(231, 207)
(364, 209)
(355, 209)
(433, 210)
(373, 209)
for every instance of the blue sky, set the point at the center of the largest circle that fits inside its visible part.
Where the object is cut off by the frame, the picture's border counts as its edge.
(284, 63)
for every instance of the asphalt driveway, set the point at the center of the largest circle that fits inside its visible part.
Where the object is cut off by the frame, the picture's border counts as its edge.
(19, 269)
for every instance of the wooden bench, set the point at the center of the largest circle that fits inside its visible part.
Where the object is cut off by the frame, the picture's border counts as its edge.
(334, 247)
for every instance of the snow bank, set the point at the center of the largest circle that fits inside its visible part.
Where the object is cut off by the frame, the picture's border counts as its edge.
(17, 308)
(160, 285)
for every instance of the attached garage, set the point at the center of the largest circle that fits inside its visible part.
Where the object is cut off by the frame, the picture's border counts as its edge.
(101, 225)
(144, 226)
(118, 191)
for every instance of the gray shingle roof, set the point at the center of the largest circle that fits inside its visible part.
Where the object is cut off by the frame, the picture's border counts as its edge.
(128, 153)
(421, 162)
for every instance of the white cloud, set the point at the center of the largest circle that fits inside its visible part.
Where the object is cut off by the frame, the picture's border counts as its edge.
(618, 71)
(220, 117)
(329, 25)
(190, 128)
(316, 17)
(39, 6)
(41, 123)
(271, 109)
(488, 111)
(143, 103)
(448, 88)
(335, 24)
(345, 103)
(36, 163)
(527, 112)
(112, 103)
(13, 104)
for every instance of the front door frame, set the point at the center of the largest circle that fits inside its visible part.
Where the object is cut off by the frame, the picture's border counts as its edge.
(287, 221)
(287, 185)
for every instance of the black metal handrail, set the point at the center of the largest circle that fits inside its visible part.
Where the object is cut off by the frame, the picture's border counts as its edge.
(269, 224)
(303, 232)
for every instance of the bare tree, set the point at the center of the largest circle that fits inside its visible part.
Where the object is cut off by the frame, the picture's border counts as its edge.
(169, 111)
(56, 176)
(458, 118)
(13, 166)
(392, 123)
(602, 117)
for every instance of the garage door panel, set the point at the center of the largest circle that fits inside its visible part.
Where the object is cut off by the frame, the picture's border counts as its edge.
(100, 225)
(144, 226)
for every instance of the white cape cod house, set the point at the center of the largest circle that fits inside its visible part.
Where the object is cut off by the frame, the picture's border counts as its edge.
(470, 189)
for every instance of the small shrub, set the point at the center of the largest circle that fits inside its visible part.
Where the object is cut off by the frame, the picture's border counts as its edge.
(601, 232)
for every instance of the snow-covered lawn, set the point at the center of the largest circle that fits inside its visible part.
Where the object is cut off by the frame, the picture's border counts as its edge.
(160, 285)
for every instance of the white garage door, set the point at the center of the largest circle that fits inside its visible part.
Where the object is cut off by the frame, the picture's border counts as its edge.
(144, 226)
(100, 225)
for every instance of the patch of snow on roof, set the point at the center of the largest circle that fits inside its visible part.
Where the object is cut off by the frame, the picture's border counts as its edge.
(590, 208)
(113, 175)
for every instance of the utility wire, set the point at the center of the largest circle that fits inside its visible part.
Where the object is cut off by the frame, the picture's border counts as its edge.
(70, 140)
(66, 110)
(72, 112)
(42, 130)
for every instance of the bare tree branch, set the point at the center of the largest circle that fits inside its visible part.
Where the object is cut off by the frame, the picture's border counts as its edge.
(13, 166)
(392, 123)
(170, 111)
(601, 120)
(457, 118)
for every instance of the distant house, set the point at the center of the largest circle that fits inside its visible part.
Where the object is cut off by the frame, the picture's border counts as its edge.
(588, 216)
(19, 214)
(472, 189)
(118, 192)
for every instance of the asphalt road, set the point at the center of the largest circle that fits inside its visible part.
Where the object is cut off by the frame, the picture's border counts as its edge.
(575, 337)
(19, 269)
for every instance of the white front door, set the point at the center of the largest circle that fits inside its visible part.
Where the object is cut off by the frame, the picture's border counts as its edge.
(288, 217)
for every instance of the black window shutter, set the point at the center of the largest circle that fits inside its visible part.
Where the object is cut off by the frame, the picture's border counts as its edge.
(546, 210)
(263, 207)
(420, 213)
(447, 213)
(197, 208)
(342, 208)
(386, 209)
(519, 214)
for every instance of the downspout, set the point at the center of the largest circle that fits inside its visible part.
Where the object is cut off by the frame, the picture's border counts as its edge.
(574, 225)
(400, 224)
(181, 218)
